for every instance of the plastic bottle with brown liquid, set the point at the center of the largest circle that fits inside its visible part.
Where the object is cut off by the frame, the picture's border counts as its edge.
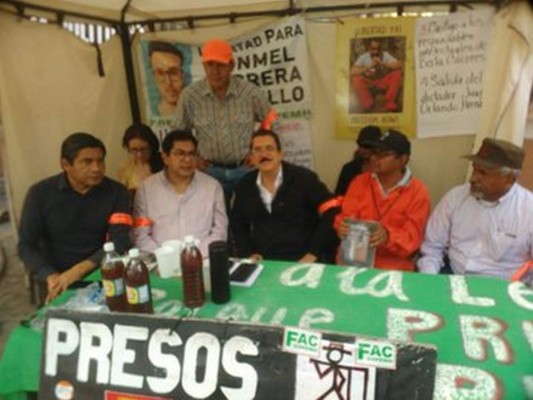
(112, 270)
(191, 272)
(137, 281)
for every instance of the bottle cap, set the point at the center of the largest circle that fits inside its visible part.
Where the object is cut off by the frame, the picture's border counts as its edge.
(189, 239)
(109, 246)
(134, 252)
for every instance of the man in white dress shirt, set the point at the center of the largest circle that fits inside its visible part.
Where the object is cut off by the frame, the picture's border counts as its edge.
(485, 227)
(180, 200)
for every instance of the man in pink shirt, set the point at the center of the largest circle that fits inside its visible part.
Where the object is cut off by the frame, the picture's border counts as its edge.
(180, 200)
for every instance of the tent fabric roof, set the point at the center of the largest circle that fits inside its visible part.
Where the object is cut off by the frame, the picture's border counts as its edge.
(141, 10)
(144, 10)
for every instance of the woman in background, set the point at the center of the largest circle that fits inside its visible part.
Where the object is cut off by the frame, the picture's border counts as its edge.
(144, 158)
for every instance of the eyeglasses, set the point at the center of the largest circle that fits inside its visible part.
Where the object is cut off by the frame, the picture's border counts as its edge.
(184, 154)
(174, 74)
(266, 149)
(139, 150)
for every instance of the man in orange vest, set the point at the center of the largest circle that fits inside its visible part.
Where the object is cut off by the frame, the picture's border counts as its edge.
(393, 199)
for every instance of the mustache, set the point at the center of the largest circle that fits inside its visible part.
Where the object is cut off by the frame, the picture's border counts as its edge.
(264, 159)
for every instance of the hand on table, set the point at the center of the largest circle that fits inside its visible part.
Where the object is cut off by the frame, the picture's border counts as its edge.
(256, 257)
(57, 284)
(308, 258)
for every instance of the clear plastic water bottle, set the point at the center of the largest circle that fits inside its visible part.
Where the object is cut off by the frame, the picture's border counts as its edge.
(355, 246)
(112, 269)
(137, 280)
(192, 274)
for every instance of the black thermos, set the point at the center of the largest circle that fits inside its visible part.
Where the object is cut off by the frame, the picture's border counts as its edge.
(219, 271)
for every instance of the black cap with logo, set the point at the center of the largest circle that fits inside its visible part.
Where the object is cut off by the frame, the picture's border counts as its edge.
(391, 140)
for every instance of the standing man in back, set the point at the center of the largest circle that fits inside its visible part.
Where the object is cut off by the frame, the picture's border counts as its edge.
(223, 110)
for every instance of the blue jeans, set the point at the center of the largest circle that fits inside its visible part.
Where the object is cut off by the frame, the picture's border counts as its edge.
(228, 178)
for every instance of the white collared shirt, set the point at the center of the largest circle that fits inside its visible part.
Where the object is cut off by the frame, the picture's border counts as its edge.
(480, 237)
(266, 196)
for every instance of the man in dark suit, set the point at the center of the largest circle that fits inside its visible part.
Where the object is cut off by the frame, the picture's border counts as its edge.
(282, 211)
(67, 218)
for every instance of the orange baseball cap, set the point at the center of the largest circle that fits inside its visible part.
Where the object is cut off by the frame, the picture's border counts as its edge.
(217, 50)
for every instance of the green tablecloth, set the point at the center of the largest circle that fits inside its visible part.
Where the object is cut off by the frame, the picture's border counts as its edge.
(482, 327)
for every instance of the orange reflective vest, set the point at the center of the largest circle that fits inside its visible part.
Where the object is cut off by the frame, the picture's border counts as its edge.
(403, 213)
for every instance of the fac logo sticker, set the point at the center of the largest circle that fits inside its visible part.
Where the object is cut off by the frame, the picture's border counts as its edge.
(375, 353)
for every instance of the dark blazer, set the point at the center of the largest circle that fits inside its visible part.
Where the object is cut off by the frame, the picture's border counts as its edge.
(60, 227)
(294, 227)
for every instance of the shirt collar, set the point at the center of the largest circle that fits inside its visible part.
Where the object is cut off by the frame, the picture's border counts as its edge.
(279, 179)
(505, 198)
(64, 184)
(510, 193)
(168, 184)
(232, 90)
(407, 175)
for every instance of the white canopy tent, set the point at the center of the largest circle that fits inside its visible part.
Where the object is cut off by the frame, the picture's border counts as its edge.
(50, 84)
(143, 10)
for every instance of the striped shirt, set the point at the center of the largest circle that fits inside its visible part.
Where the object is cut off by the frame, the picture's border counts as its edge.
(223, 127)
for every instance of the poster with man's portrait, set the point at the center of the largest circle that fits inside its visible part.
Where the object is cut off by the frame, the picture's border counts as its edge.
(376, 75)
(166, 71)
(375, 78)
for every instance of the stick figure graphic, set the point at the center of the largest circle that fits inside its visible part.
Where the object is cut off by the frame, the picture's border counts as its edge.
(341, 375)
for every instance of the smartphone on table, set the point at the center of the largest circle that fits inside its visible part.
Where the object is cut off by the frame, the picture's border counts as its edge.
(244, 273)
